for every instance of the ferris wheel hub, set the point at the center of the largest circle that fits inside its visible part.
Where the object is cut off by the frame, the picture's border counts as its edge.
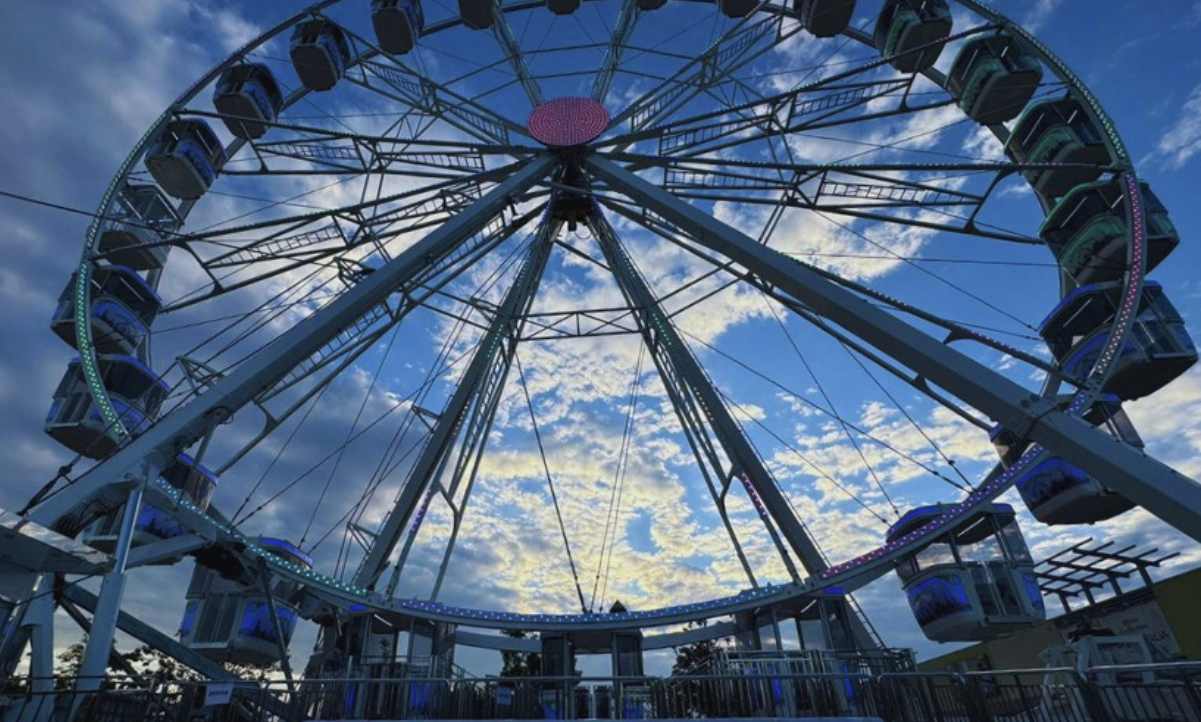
(565, 122)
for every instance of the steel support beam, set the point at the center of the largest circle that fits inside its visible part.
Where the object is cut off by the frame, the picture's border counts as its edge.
(147, 634)
(512, 50)
(479, 389)
(744, 460)
(39, 623)
(742, 457)
(1159, 489)
(280, 637)
(99, 490)
(165, 549)
(112, 589)
(34, 555)
(622, 29)
(114, 657)
(508, 325)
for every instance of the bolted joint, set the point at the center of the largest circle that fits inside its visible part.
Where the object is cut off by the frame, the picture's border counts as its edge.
(1031, 410)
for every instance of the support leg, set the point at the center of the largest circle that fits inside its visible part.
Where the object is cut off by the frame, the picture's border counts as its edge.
(114, 658)
(280, 638)
(38, 625)
(16, 588)
(39, 621)
(112, 589)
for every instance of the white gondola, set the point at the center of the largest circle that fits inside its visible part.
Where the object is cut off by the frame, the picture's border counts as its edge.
(123, 307)
(1087, 232)
(1058, 132)
(197, 485)
(228, 618)
(249, 99)
(973, 584)
(476, 14)
(1158, 350)
(133, 235)
(910, 33)
(74, 419)
(398, 24)
(824, 18)
(186, 158)
(320, 54)
(992, 79)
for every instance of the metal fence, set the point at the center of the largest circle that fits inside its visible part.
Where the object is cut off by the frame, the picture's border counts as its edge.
(1110, 694)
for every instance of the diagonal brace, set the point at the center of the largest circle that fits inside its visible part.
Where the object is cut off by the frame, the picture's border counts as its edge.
(744, 460)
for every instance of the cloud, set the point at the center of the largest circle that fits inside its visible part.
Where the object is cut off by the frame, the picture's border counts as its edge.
(1158, 420)
(668, 544)
(1182, 140)
(1039, 14)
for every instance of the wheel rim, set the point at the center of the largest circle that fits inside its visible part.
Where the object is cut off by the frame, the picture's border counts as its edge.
(839, 575)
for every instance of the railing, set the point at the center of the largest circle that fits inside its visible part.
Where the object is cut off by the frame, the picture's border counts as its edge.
(1104, 694)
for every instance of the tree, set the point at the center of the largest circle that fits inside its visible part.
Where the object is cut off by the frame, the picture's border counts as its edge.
(69, 662)
(520, 664)
(149, 662)
(694, 697)
(694, 658)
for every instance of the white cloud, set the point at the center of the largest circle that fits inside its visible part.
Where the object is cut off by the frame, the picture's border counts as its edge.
(1039, 14)
(1180, 142)
(669, 544)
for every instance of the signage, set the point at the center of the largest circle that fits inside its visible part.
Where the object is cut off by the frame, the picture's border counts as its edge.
(217, 694)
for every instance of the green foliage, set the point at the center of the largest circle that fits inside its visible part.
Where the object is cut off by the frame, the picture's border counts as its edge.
(520, 664)
(695, 698)
(68, 664)
(145, 661)
(692, 658)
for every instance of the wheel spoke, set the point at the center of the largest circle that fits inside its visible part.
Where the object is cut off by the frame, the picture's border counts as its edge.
(737, 48)
(503, 33)
(313, 203)
(622, 30)
(405, 84)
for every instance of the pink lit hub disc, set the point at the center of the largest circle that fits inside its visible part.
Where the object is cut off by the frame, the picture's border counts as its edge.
(565, 122)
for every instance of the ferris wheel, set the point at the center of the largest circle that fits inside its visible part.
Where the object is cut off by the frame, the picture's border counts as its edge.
(398, 242)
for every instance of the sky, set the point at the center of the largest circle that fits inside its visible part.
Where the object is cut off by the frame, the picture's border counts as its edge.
(80, 102)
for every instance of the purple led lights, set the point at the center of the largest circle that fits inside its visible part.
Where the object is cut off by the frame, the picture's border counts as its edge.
(750, 491)
(425, 505)
(953, 513)
(564, 122)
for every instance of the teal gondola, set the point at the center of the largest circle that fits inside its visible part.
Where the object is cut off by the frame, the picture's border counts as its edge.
(910, 33)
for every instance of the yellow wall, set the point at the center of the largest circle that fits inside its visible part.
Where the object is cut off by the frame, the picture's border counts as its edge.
(1016, 651)
(1180, 600)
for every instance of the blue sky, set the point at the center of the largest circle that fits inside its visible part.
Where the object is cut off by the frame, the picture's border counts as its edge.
(80, 102)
